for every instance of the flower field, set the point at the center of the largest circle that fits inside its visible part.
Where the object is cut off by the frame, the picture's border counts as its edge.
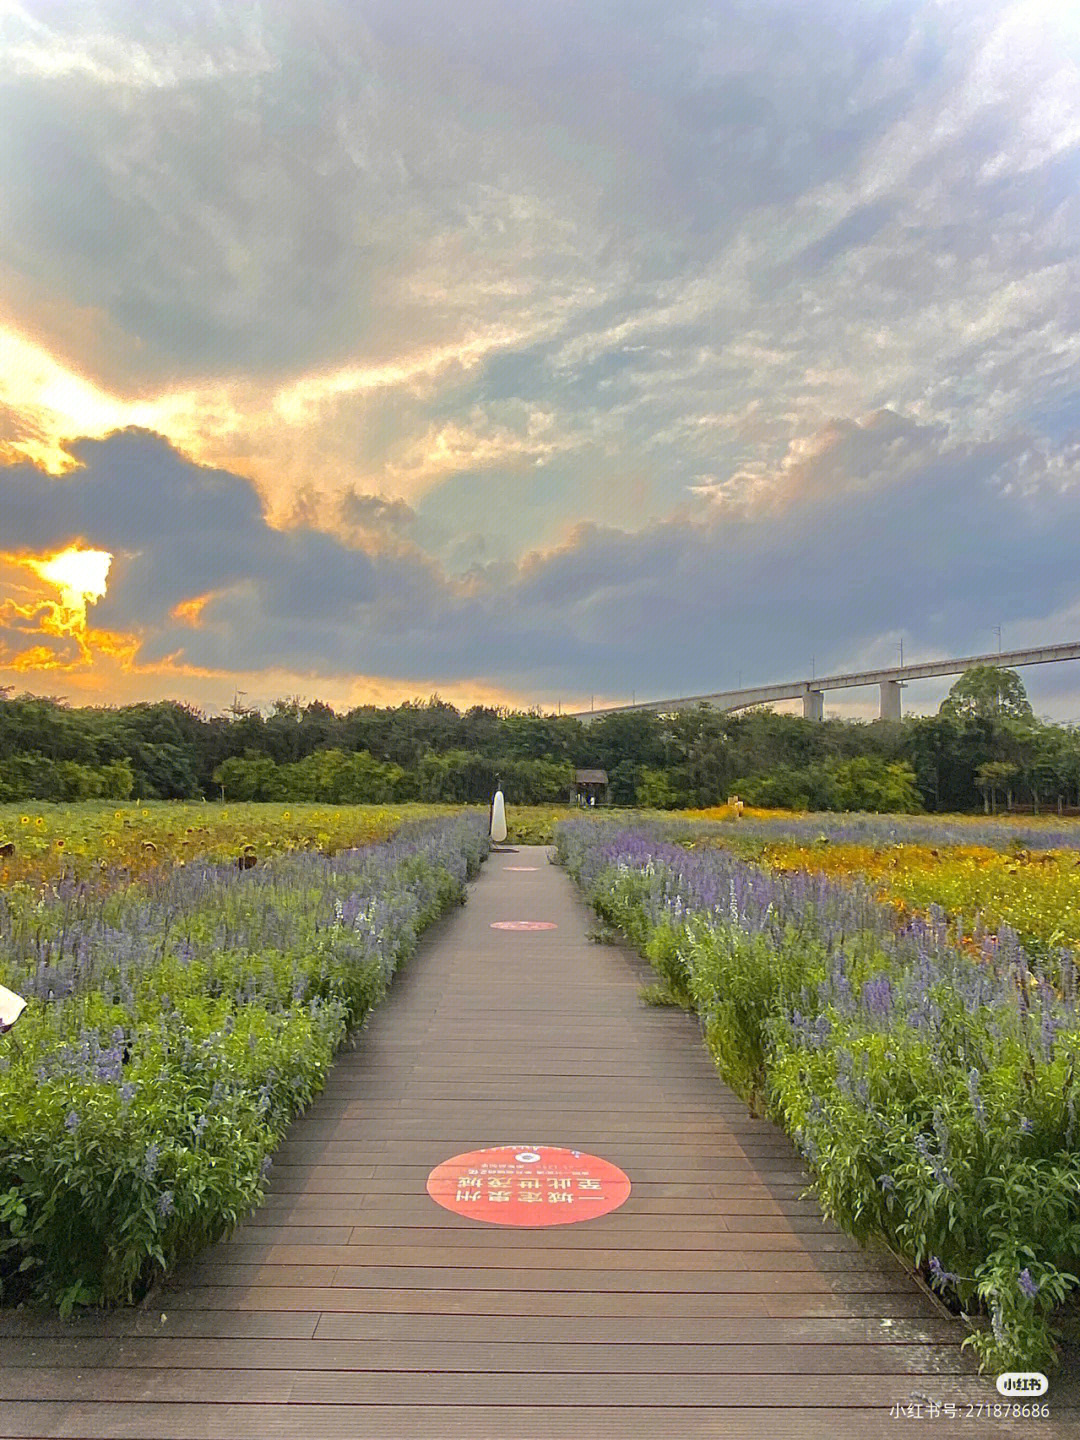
(983, 874)
(178, 1020)
(931, 1085)
(39, 841)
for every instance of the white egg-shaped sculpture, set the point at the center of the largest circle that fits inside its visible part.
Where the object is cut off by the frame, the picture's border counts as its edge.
(498, 818)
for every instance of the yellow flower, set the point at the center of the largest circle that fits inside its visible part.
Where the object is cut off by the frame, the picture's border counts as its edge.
(24, 819)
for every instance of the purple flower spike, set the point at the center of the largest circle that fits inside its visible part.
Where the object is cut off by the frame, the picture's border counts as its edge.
(940, 1275)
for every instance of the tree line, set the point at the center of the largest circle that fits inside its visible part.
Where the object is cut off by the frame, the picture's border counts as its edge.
(984, 750)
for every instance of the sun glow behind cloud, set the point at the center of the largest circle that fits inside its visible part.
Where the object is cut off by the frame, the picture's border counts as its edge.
(79, 575)
(54, 633)
(275, 434)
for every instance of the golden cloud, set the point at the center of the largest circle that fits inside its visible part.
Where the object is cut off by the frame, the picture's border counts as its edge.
(189, 612)
(276, 435)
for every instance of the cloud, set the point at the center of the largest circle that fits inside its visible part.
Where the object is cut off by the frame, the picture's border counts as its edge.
(871, 529)
(32, 49)
(550, 319)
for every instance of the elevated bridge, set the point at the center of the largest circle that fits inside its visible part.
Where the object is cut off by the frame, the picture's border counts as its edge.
(812, 692)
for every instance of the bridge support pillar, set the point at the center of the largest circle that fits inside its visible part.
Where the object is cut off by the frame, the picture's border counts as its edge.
(890, 699)
(813, 705)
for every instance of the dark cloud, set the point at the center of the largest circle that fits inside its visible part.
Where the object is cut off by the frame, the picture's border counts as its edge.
(375, 512)
(877, 528)
(176, 531)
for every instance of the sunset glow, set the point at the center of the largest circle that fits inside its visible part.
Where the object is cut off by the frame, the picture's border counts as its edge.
(189, 611)
(79, 575)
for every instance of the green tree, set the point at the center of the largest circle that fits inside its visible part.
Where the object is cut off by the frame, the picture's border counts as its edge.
(249, 777)
(655, 791)
(987, 692)
(869, 783)
(992, 777)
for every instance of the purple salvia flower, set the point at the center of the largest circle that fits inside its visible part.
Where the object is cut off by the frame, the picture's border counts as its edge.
(877, 996)
(1027, 1284)
(940, 1275)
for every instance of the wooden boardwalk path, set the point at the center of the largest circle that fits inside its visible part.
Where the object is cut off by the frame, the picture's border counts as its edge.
(714, 1302)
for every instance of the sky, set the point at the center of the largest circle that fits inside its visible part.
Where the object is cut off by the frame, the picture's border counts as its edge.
(547, 354)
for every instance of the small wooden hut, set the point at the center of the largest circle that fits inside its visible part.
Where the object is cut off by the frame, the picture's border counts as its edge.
(590, 787)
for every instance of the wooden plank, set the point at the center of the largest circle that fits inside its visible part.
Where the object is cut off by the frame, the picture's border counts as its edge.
(373, 1208)
(267, 1246)
(17, 1421)
(696, 1155)
(343, 1180)
(738, 1279)
(492, 1388)
(418, 1389)
(130, 1384)
(304, 1223)
(498, 1245)
(577, 1356)
(138, 1320)
(474, 1301)
(621, 1329)
(27, 1351)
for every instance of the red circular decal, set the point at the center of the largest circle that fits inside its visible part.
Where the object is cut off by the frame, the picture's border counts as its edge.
(523, 925)
(528, 1185)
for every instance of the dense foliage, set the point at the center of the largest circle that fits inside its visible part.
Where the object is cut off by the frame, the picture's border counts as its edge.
(932, 1091)
(983, 750)
(176, 1024)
